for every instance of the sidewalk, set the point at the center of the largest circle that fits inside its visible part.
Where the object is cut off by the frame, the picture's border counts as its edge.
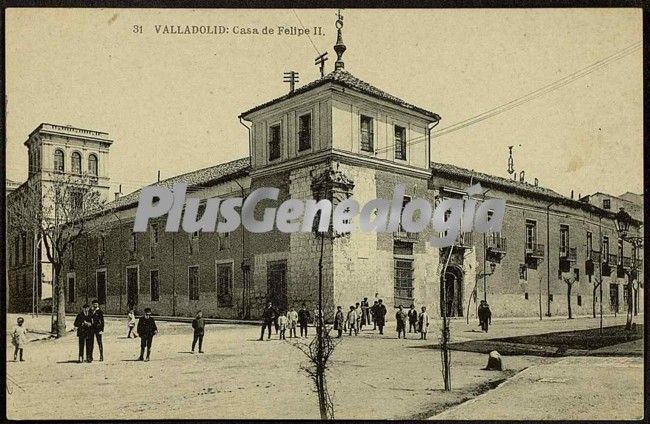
(578, 388)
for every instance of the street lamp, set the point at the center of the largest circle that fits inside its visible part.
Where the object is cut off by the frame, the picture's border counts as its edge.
(623, 220)
(493, 267)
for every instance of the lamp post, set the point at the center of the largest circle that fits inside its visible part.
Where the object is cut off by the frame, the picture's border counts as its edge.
(483, 275)
(623, 220)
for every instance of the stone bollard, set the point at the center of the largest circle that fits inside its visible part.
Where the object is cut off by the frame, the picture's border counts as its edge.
(495, 362)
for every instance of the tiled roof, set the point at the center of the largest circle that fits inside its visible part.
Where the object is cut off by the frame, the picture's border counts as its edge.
(196, 178)
(447, 169)
(345, 79)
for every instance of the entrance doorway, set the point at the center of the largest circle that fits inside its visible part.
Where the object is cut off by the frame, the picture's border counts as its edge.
(132, 286)
(613, 297)
(451, 293)
(276, 282)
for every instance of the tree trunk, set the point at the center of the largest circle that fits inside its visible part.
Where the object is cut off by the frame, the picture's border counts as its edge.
(568, 294)
(630, 314)
(60, 302)
(320, 370)
(593, 298)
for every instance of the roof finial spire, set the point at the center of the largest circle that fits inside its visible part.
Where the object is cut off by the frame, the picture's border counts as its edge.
(339, 47)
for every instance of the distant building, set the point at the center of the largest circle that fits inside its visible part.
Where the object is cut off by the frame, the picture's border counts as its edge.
(342, 126)
(631, 202)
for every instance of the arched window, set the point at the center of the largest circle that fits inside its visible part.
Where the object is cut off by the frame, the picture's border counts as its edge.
(76, 163)
(92, 164)
(58, 161)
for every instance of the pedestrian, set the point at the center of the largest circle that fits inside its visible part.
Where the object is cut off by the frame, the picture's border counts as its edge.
(373, 313)
(352, 321)
(413, 319)
(131, 323)
(484, 315)
(358, 311)
(292, 318)
(268, 319)
(423, 323)
(365, 312)
(303, 320)
(198, 324)
(381, 316)
(146, 330)
(97, 318)
(338, 321)
(83, 323)
(400, 318)
(19, 338)
(282, 323)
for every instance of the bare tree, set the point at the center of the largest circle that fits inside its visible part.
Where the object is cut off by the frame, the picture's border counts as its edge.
(596, 282)
(59, 212)
(569, 285)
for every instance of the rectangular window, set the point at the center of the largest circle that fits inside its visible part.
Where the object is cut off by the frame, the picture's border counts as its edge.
(620, 252)
(531, 234)
(71, 288)
(607, 203)
(613, 297)
(526, 296)
(133, 245)
(367, 135)
(223, 241)
(550, 297)
(564, 239)
(23, 248)
(193, 282)
(403, 281)
(405, 202)
(304, 132)
(576, 274)
(224, 284)
(101, 248)
(590, 245)
(579, 300)
(275, 136)
(193, 244)
(100, 277)
(605, 249)
(155, 285)
(400, 142)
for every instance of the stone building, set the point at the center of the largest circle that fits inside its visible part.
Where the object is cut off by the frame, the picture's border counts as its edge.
(551, 251)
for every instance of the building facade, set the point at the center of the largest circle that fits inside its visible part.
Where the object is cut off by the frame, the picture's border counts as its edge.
(552, 253)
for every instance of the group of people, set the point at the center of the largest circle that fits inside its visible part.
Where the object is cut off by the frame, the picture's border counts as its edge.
(359, 315)
(283, 320)
(484, 315)
(418, 323)
(89, 324)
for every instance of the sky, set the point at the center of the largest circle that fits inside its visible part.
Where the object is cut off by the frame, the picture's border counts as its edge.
(171, 102)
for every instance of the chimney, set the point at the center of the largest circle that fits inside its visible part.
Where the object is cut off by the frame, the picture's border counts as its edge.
(522, 176)
(572, 194)
(118, 193)
(536, 182)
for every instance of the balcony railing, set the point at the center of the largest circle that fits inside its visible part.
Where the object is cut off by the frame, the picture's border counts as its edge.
(627, 262)
(612, 258)
(496, 243)
(568, 254)
(405, 236)
(465, 240)
(594, 256)
(535, 250)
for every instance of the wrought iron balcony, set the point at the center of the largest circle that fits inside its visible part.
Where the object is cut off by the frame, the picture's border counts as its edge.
(568, 254)
(496, 243)
(612, 258)
(594, 255)
(405, 236)
(464, 241)
(535, 250)
(627, 262)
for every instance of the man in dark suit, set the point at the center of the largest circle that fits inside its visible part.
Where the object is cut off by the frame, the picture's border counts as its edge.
(268, 318)
(83, 324)
(97, 317)
(146, 330)
(381, 316)
(303, 319)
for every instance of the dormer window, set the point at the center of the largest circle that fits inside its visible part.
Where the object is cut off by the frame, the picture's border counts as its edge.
(607, 203)
(304, 132)
(275, 136)
(400, 142)
(367, 135)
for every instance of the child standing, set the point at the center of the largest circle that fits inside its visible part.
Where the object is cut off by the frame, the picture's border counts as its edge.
(199, 326)
(131, 323)
(424, 323)
(19, 338)
(292, 318)
(338, 321)
(352, 321)
(282, 324)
